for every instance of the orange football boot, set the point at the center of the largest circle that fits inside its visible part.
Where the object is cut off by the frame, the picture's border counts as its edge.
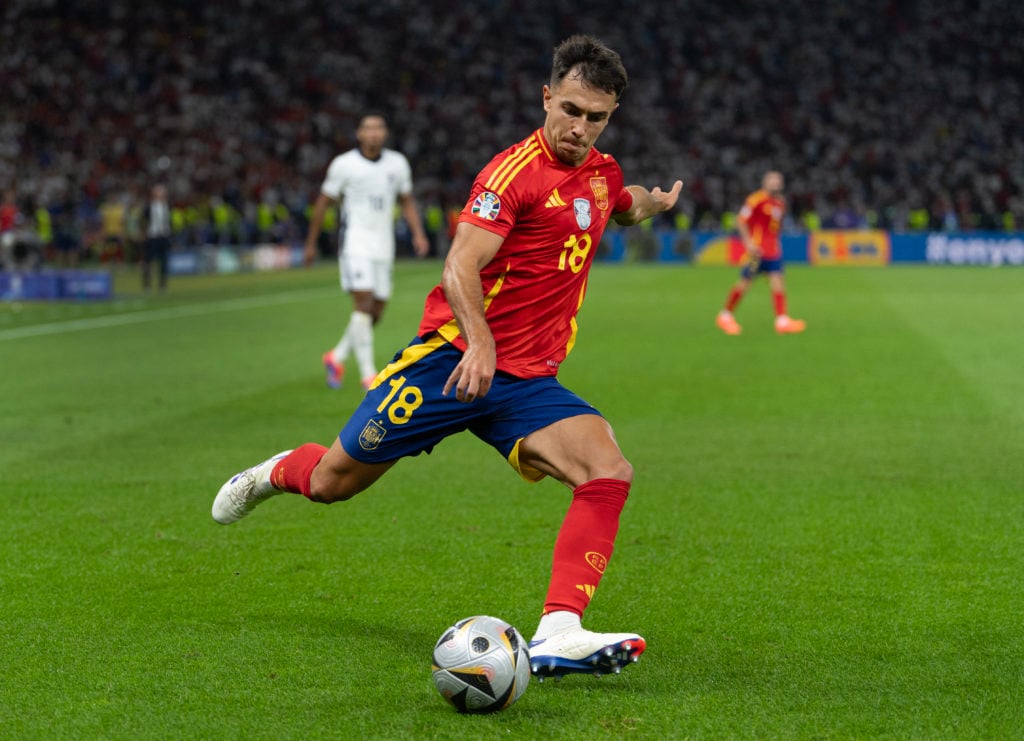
(785, 325)
(727, 323)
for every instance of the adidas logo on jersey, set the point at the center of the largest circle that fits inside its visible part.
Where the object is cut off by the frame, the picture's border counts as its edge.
(554, 200)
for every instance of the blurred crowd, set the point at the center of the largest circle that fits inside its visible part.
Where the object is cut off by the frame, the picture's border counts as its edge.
(899, 114)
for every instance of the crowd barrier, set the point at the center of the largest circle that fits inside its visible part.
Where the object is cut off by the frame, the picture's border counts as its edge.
(54, 285)
(234, 259)
(826, 248)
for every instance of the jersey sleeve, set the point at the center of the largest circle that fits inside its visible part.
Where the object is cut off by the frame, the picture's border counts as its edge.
(492, 208)
(623, 202)
(404, 185)
(749, 207)
(334, 182)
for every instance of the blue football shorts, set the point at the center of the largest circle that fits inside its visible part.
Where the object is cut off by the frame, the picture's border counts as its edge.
(404, 413)
(764, 266)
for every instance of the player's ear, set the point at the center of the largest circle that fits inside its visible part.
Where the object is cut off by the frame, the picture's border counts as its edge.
(547, 98)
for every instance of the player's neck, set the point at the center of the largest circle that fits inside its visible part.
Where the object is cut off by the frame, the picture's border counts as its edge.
(371, 154)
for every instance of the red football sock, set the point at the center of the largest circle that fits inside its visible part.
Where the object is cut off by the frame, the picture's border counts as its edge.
(734, 298)
(779, 300)
(292, 473)
(585, 543)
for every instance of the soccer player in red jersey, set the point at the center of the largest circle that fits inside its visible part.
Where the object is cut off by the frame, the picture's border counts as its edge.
(759, 224)
(492, 337)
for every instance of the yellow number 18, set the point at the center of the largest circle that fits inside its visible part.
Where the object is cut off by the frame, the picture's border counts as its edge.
(405, 404)
(575, 253)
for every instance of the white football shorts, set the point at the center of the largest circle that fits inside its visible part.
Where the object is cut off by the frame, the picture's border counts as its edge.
(366, 274)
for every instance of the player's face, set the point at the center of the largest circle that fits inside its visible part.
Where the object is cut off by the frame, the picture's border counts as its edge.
(774, 183)
(371, 134)
(576, 116)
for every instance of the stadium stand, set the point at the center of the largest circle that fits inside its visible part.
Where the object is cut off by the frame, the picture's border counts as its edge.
(904, 115)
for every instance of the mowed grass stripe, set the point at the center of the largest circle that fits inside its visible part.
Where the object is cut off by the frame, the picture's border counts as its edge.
(153, 315)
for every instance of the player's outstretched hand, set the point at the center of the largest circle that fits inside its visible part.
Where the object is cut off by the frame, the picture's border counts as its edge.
(647, 203)
(667, 200)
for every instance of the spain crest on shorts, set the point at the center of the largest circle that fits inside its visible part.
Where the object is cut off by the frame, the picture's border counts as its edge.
(372, 434)
(581, 207)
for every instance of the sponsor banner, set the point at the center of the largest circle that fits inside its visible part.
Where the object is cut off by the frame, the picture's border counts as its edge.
(276, 257)
(719, 249)
(52, 285)
(228, 259)
(825, 247)
(86, 284)
(982, 248)
(696, 247)
(860, 247)
(185, 262)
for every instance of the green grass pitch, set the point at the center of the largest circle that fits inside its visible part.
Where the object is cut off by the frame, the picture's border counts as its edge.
(825, 538)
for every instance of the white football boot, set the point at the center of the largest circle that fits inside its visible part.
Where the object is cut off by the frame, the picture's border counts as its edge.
(580, 651)
(243, 491)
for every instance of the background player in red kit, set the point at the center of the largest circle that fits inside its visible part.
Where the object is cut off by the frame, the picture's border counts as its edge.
(493, 335)
(759, 223)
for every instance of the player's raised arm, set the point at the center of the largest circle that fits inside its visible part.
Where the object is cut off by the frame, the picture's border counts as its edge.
(647, 203)
(472, 248)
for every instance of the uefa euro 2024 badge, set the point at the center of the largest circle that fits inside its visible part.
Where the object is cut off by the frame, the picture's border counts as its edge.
(487, 206)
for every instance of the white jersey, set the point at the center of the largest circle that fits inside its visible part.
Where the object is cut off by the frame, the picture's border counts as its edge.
(368, 190)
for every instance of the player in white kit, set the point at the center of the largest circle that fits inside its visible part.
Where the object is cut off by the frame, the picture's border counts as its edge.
(366, 181)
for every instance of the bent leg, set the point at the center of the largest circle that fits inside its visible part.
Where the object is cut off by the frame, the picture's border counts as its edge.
(582, 453)
(736, 294)
(576, 450)
(338, 476)
(325, 475)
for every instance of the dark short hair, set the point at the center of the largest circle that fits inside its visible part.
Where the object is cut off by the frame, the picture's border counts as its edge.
(373, 114)
(599, 66)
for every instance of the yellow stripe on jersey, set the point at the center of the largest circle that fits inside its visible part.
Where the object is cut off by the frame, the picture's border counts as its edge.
(507, 170)
(410, 355)
(544, 145)
(572, 337)
(572, 322)
(511, 161)
(450, 330)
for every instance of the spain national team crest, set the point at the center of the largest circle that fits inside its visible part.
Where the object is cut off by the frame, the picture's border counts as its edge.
(581, 207)
(487, 206)
(371, 436)
(600, 188)
(597, 561)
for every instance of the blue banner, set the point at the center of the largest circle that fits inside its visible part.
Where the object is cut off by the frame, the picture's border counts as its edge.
(825, 247)
(52, 285)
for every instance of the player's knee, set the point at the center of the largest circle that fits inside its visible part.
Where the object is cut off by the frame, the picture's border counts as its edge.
(618, 468)
(329, 490)
(624, 471)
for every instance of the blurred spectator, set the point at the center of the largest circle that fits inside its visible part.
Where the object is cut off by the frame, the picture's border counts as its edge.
(157, 248)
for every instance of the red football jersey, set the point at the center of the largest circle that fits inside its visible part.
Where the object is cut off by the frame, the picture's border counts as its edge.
(763, 216)
(552, 217)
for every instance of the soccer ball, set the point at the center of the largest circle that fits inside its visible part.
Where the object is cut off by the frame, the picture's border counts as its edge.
(481, 665)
